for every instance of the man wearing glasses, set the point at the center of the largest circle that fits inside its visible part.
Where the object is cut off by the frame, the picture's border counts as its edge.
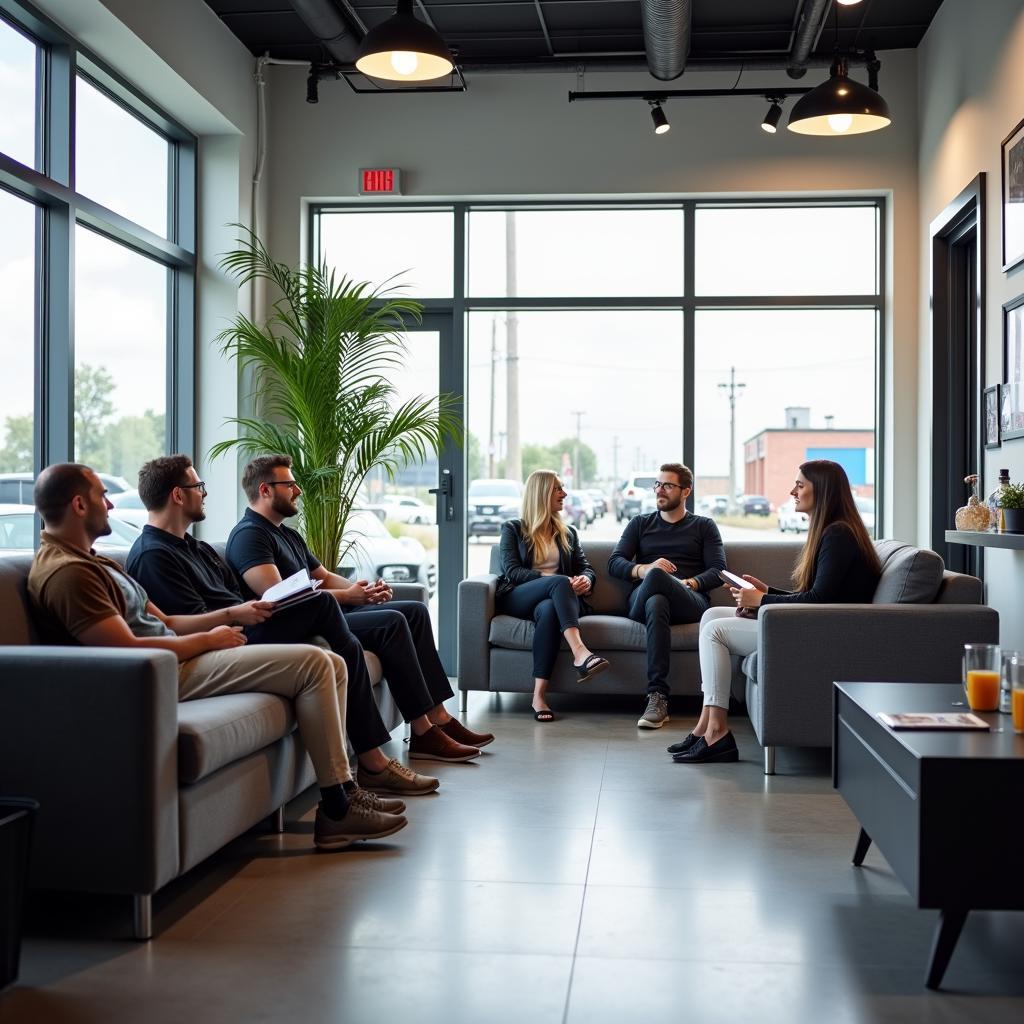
(673, 558)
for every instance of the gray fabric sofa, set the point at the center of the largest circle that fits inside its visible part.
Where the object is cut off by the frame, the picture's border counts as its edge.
(134, 787)
(913, 632)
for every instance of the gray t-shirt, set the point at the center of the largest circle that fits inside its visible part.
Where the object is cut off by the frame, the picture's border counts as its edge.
(140, 622)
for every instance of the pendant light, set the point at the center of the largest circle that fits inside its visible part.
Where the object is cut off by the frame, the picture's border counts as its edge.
(403, 49)
(840, 106)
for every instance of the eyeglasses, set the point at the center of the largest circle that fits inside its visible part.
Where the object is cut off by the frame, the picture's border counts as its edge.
(201, 487)
(284, 483)
(665, 486)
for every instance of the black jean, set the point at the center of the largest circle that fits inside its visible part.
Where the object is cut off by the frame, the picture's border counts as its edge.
(660, 602)
(321, 616)
(554, 608)
(399, 633)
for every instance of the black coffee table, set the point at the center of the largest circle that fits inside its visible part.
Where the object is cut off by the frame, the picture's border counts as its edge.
(943, 807)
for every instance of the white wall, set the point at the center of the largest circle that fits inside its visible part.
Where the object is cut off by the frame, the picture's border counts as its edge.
(972, 95)
(182, 57)
(518, 136)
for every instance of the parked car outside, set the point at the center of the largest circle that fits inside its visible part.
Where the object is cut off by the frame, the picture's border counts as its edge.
(491, 503)
(129, 508)
(588, 504)
(573, 510)
(631, 496)
(866, 508)
(402, 508)
(16, 488)
(754, 505)
(18, 532)
(600, 501)
(713, 505)
(791, 520)
(371, 553)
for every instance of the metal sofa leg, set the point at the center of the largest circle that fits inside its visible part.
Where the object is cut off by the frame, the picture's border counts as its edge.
(277, 820)
(769, 760)
(142, 917)
(463, 701)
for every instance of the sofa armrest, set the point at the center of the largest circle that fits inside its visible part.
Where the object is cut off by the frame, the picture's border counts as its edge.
(409, 592)
(92, 734)
(803, 649)
(476, 609)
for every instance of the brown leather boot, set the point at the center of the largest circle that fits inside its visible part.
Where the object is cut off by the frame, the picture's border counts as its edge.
(458, 732)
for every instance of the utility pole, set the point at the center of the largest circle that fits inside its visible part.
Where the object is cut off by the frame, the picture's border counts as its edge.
(513, 454)
(615, 459)
(494, 366)
(732, 387)
(576, 482)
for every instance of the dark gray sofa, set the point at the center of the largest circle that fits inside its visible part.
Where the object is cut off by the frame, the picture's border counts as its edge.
(913, 632)
(134, 787)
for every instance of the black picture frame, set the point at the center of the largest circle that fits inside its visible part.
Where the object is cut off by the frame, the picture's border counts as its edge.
(1011, 394)
(1011, 153)
(990, 413)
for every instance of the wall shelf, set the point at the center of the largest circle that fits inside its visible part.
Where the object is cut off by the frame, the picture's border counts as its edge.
(1015, 541)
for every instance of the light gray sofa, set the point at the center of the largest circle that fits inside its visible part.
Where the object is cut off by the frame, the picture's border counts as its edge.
(135, 788)
(913, 632)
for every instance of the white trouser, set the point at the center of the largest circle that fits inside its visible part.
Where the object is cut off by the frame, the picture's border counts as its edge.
(722, 634)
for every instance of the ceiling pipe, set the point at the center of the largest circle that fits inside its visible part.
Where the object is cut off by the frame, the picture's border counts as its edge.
(330, 27)
(812, 20)
(667, 32)
(563, 64)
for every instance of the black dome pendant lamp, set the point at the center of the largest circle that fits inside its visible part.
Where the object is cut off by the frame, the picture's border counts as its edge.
(840, 106)
(404, 49)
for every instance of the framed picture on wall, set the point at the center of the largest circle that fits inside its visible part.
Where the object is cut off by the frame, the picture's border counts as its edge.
(991, 414)
(1012, 151)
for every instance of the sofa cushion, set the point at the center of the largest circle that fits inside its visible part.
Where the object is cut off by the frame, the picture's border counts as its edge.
(16, 625)
(601, 632)
(909, 575)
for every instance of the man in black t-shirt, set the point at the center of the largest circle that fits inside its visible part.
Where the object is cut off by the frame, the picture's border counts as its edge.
(263, 551)
(673, 557)
(192, 579)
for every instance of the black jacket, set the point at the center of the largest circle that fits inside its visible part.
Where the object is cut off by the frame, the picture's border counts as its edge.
(517, 560)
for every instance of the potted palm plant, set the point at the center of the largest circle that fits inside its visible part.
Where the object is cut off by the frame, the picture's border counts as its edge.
(321, 366)
(1011, 501)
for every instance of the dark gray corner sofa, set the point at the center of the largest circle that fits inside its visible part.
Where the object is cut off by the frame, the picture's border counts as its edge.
(134, 788)
(912, 632)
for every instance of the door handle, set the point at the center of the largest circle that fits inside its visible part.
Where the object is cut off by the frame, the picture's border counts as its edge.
(446, 488)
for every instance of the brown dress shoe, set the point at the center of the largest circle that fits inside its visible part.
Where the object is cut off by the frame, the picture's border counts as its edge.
(458, 732)
(435, 745)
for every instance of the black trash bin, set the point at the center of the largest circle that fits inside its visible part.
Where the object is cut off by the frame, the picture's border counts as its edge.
(16, 818)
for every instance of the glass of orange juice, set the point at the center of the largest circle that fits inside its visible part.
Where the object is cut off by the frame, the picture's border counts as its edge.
(981, 676)
(1014, 670)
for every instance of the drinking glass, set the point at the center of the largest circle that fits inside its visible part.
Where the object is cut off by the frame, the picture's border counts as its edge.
(981, 676)
(1015, 672)
(1005, 682)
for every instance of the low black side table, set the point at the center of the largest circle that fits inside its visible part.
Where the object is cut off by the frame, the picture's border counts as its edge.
(943, 807)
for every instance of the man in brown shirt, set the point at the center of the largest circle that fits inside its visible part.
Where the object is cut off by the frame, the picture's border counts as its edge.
(81, 597)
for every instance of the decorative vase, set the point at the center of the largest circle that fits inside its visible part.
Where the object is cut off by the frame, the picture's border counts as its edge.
(974, 515)
(1013, 520)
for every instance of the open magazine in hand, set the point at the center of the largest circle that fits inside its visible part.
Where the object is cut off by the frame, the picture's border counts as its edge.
(295, 589)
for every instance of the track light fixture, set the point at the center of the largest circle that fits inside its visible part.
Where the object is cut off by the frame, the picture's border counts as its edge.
(770, 123)
(661, 125)
(403, 49)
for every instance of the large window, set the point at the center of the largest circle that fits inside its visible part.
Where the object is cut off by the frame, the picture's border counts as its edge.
(96, 359)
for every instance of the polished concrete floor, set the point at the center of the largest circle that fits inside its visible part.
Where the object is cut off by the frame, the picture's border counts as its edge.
(572, 874)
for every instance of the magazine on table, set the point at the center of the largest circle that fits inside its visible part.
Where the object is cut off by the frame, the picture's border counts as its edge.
(933, 720)
(296, 588)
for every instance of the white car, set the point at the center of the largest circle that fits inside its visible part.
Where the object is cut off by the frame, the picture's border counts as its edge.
(16, 488)
(402, 508)
(18, 532)
(866, 508)
(790, 519)
(369, 552)
(489, 503)
(129, 508)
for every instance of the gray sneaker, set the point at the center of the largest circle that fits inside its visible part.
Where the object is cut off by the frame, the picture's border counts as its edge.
(376, 803)
(656, 714)
(397, 779)
(359, 823)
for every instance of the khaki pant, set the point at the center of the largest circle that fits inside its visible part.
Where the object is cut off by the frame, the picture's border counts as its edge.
(313, 679)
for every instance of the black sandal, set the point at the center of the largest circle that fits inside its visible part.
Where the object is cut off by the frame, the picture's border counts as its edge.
(592, 666)
(544, 715)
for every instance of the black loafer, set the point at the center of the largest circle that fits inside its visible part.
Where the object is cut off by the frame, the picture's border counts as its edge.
(720, 752)
(683, 745)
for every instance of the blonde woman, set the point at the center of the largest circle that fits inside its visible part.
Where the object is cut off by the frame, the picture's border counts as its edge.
(546, 577)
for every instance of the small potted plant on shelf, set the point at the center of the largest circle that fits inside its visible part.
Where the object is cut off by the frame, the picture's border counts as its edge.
(1011, 501)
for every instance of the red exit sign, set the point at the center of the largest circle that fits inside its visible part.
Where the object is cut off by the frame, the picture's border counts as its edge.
(380, 181)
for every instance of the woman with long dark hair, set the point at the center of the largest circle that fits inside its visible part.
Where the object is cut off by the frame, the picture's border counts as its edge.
(838, 564)
(545, 577)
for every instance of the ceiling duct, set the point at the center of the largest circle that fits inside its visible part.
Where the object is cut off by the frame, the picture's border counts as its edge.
(330, 27)
(812, 20)
(667, 32)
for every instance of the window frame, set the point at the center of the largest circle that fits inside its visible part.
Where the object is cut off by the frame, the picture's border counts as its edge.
(59, 208)
(688, 302)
